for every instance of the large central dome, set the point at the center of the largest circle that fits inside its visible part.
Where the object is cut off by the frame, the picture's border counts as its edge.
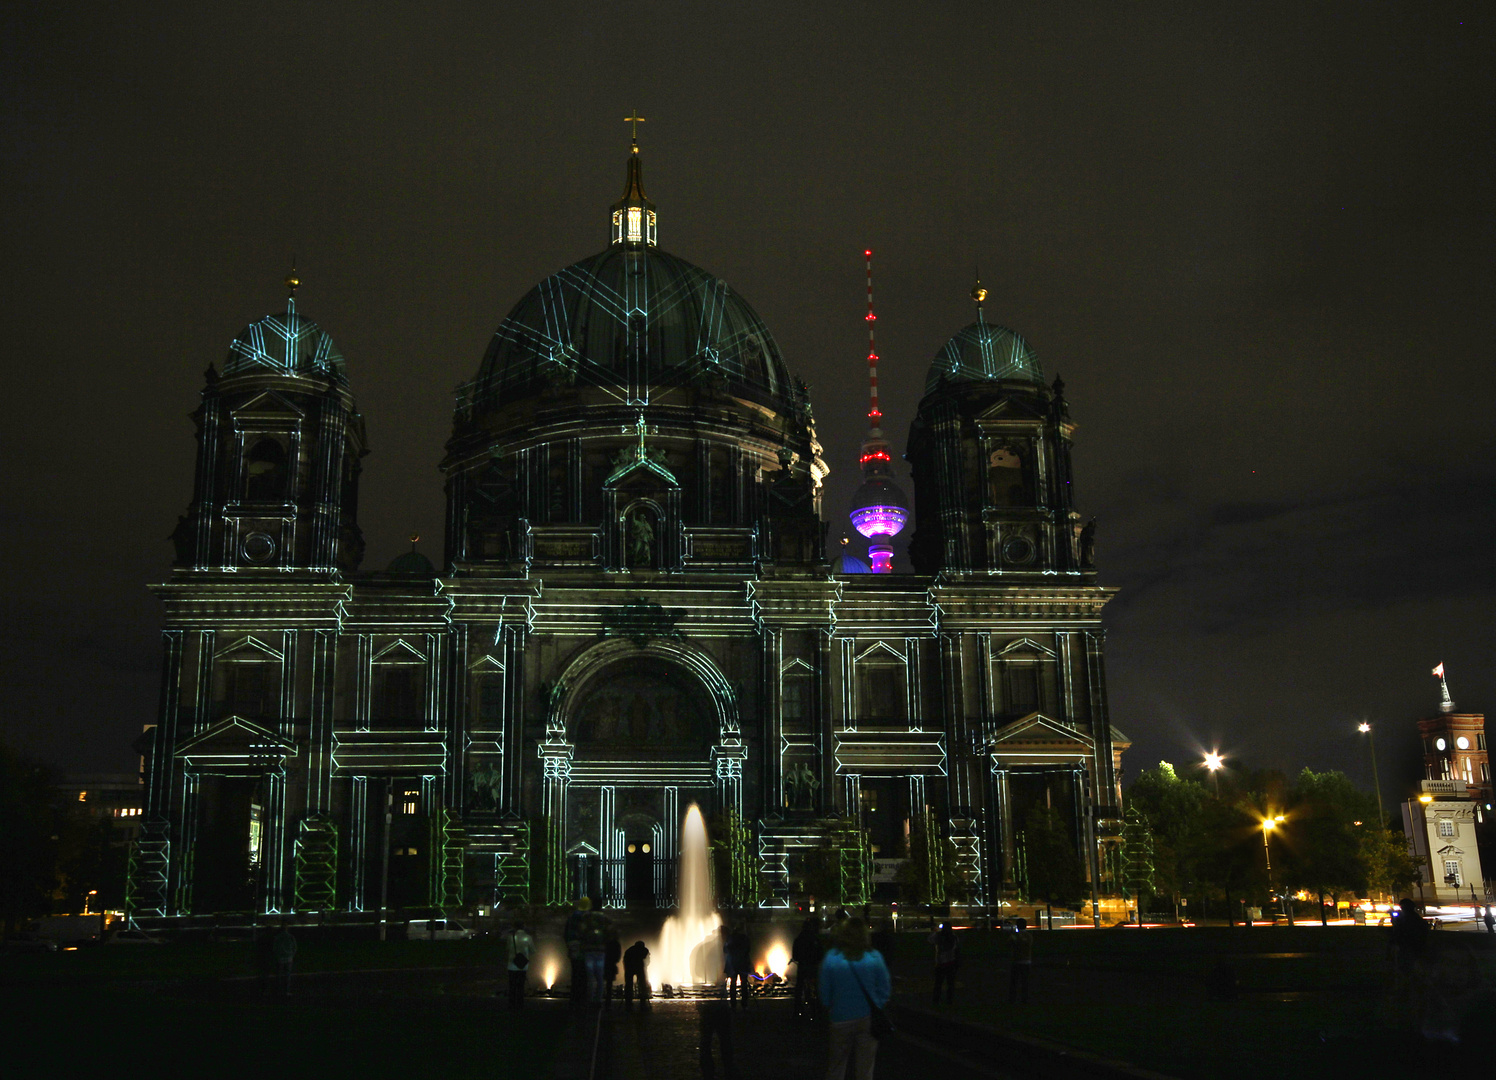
(632, 318)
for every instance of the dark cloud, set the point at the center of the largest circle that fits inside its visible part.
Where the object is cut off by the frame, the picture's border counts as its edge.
(1255, 240)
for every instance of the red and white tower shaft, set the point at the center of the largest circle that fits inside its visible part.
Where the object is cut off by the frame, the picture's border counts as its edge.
(874, 414)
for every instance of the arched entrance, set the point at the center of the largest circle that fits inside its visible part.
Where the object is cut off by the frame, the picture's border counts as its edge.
(643, 726)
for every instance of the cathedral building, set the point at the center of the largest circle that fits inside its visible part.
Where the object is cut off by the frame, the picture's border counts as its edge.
(635, 611)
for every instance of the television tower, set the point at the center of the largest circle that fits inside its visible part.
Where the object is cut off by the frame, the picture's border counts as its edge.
(879, 507)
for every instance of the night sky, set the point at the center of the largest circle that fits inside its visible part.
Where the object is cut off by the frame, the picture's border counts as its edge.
(1256, 241)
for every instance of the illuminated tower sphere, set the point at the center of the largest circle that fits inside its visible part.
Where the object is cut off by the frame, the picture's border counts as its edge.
(879, 506)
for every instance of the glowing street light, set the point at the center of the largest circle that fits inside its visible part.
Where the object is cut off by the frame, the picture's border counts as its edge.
(1365, 729)
(1214, 762)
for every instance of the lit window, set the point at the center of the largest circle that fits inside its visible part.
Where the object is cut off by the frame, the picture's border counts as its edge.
(1446, 827)
(256, 832)
(1452, 870)
(636, 224)
(411, 802)
(645, 849)
(83, 796)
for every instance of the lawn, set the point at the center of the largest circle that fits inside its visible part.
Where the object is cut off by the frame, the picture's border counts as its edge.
(1307, 998)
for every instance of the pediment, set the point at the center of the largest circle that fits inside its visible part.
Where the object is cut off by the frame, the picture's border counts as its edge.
(249, 648)
(1451, 850)
(1009, 410)
(880, 652)
(1036, 729)
(268, 404)
(236, 739)
(400, 651)
(641, 473)
(581, 847)
(486, 663)
(1014, 650)
(797, 666)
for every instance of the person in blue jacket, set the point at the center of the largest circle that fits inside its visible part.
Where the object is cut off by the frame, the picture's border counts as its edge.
(853, 979)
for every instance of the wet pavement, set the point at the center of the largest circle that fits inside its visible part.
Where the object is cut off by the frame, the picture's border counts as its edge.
(664, 1043)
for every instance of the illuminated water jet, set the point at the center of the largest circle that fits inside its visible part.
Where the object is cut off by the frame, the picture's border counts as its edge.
(690, 948)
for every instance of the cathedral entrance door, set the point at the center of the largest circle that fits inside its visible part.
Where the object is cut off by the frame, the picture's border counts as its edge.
(638, 875)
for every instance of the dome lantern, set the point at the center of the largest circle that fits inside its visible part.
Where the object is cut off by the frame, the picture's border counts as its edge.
(634, 214)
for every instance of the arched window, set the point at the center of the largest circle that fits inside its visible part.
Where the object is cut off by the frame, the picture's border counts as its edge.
(265, 471)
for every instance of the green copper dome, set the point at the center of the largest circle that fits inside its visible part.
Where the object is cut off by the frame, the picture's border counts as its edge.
(285, 344)
(632, 318)
(984, 351)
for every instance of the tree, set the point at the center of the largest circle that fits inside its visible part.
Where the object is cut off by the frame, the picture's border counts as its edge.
(1174, 812)
(1322, 839)
(28, 838)
(1390, 868)
(1053, 867)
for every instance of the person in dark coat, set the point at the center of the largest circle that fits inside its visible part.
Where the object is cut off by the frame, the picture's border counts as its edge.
(610, 962)
(806, 953)
(635, 961)
(285, 958)
(739, 964)
(947, 958)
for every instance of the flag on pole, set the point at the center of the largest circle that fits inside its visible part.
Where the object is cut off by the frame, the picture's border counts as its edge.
(1439, 671)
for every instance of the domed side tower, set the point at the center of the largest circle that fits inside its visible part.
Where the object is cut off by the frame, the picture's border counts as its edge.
(990, 449)
(631, 412)
(279, 448)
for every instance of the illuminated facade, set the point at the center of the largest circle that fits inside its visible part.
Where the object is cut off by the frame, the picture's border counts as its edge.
(633, 612)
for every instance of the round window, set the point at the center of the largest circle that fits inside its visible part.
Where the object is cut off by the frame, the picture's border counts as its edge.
(258, 547)
(1018, 551)
(1440, 744)
(1463, 743)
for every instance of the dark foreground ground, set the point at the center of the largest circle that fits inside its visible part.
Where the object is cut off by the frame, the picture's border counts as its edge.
(1186, 1003)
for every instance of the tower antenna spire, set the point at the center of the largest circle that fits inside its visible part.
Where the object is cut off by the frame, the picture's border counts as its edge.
(874, 414)
(879, 508)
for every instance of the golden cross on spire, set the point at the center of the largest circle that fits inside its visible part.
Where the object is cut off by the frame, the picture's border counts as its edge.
(635, 120)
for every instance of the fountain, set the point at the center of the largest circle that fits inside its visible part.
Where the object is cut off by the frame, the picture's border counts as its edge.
(690, 950)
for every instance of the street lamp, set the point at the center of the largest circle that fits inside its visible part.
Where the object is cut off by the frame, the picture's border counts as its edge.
(1213, 762)
(1268, 825)
(1365, 729)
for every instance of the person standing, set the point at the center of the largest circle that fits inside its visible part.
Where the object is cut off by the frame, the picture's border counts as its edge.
(521, 948)
(854, 980)
(635, 960)
(738, 963)
(572, 935)
(1490, 921)
(1022, 964)
(714, 1017)
(806, 953)
(947, 955)
(610, 964)
(596, 931)
(285, 959)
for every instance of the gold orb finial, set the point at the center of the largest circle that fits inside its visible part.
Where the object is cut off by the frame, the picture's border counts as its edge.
(292, 281)
(415, 538)
(978, 293)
